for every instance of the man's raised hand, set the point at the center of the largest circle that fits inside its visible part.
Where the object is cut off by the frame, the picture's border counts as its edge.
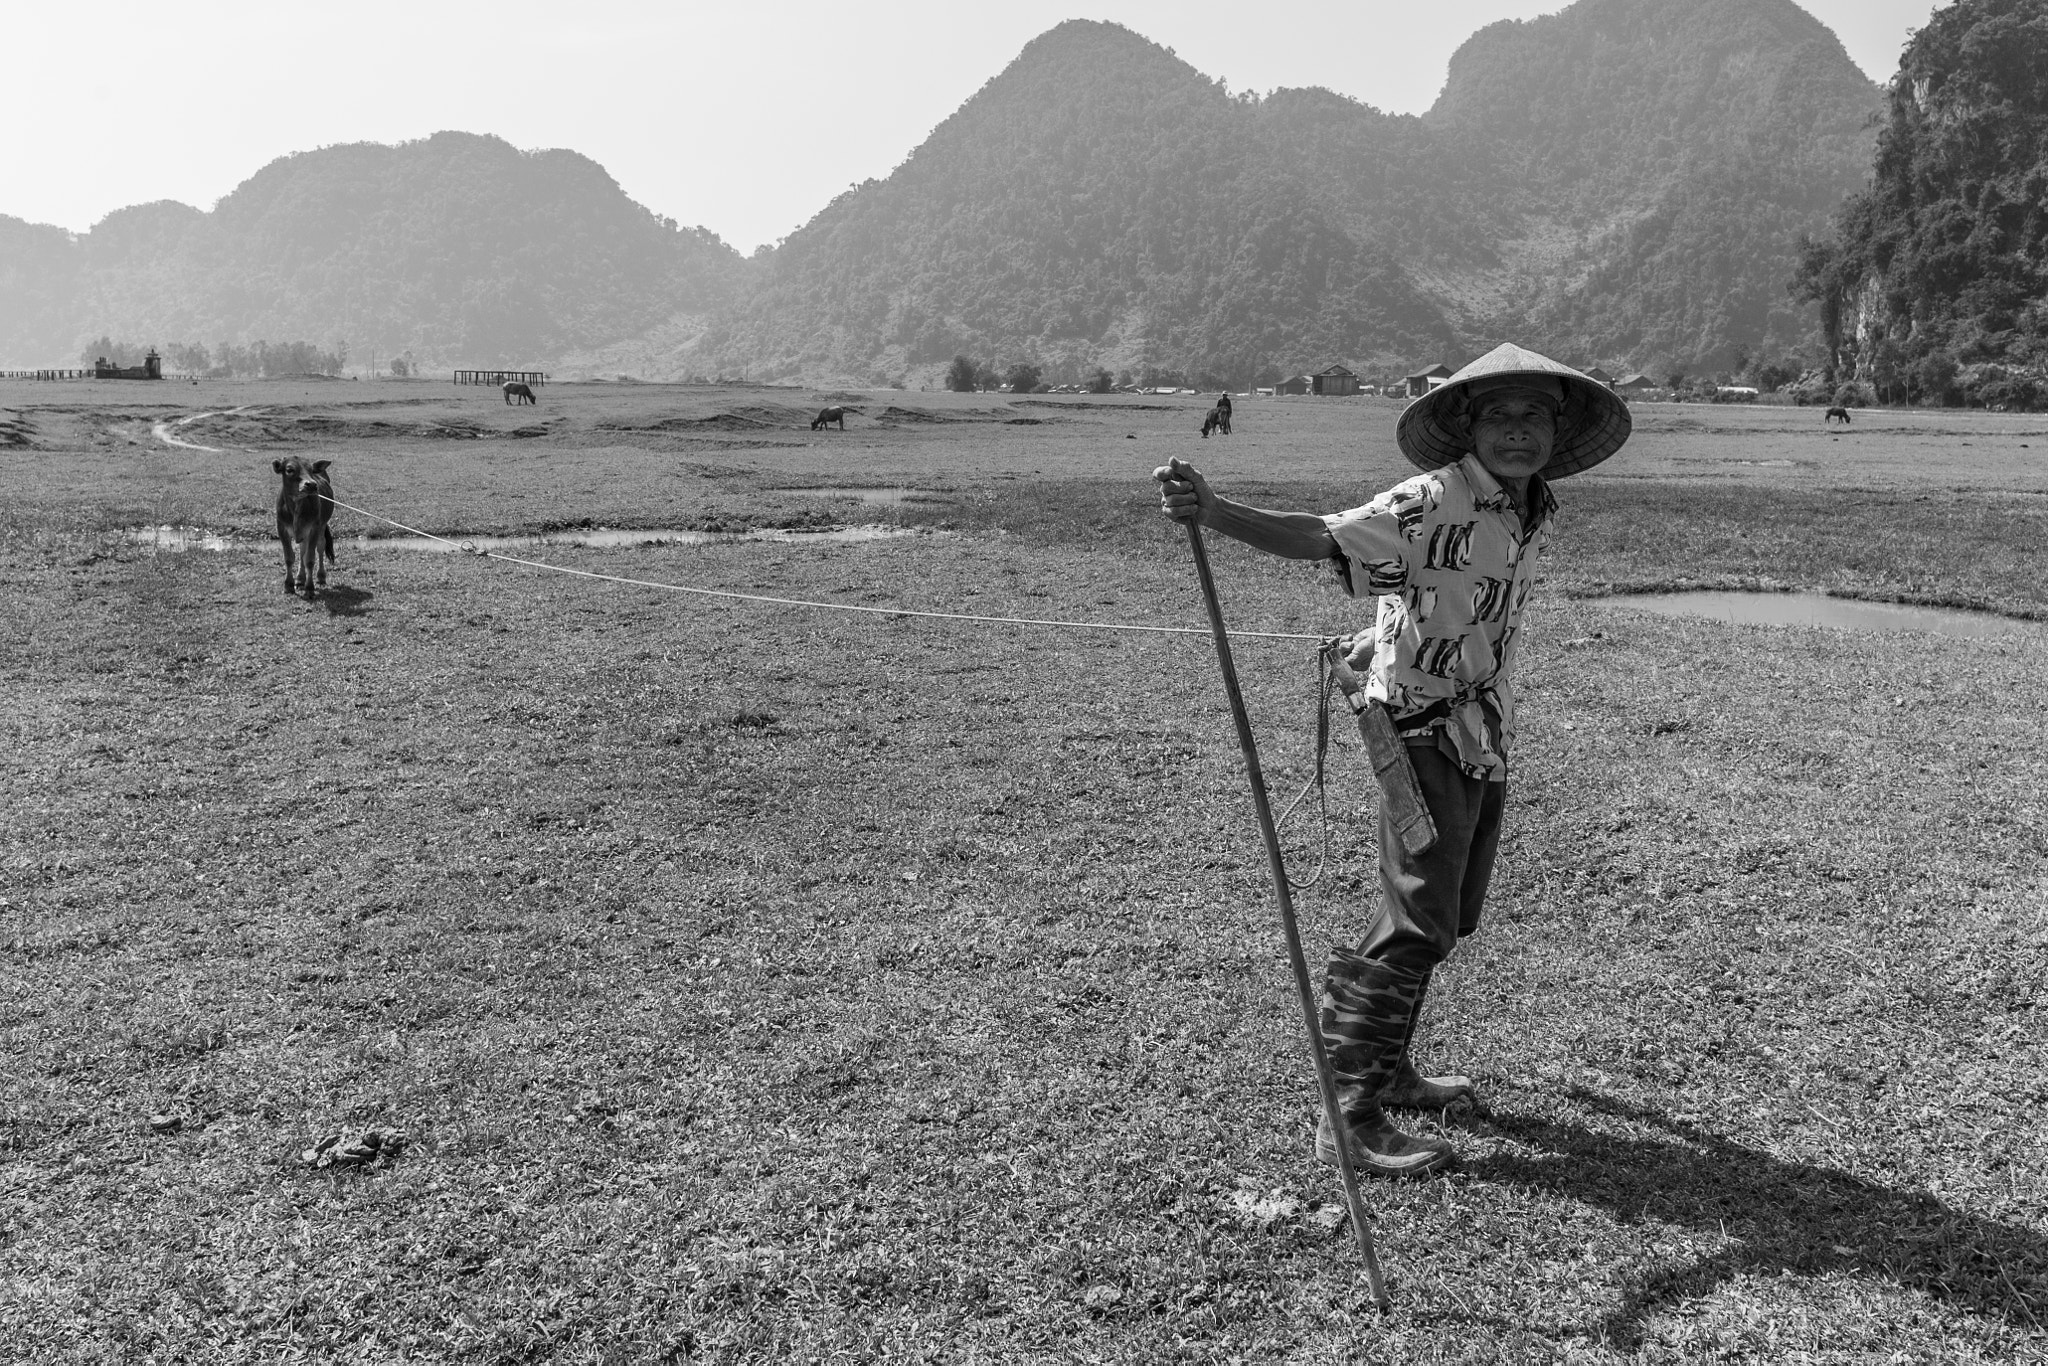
(1183, 493)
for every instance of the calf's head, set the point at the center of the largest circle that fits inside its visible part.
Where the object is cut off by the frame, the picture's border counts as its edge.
(303, 480)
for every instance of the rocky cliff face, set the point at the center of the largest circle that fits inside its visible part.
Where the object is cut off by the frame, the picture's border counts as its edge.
(1934, 282)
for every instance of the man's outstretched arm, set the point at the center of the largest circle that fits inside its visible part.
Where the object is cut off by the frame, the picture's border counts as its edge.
(1185, 496)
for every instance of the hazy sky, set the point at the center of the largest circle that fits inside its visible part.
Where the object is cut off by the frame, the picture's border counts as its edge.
(744, 118)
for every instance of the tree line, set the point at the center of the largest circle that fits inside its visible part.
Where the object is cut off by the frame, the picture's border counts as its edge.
(967, 375)
(258, 360)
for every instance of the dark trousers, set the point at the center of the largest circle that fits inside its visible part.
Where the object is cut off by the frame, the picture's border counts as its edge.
(1428, 904)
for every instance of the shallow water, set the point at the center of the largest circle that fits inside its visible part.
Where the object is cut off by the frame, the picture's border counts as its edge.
(875, 495)
(1818, 609)
(198, 538)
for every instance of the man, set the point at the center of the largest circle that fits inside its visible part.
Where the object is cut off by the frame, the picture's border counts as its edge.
(1451, 554)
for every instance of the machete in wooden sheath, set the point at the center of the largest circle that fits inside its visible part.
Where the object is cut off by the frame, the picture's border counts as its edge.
(1399, 792)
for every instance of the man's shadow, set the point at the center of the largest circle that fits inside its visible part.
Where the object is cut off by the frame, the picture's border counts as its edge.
(1787, 1216)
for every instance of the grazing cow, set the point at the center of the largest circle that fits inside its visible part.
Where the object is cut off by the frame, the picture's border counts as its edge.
(1217, 420)
(1832, 414)
(304, 503)
(514, 389)
(829, 415)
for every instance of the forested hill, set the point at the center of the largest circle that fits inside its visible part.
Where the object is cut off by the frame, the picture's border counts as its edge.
(1934, 281)
(1099, 202)
(458, 247)
(1623, 181)
(1664, 157)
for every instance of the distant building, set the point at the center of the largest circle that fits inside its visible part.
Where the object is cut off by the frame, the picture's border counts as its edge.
(1422, 381)
(1298, 384)
(1734, 393)
(1637, 383)
(1334, 382)
(152, 367)
(1595, 372)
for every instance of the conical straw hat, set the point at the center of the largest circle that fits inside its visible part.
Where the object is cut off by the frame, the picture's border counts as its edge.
(1592, 425)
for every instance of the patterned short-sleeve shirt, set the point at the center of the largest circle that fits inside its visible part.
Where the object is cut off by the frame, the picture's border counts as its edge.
(1451, 560)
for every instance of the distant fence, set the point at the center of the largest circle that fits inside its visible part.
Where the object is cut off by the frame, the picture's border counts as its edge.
(497, 377)
(45, 374)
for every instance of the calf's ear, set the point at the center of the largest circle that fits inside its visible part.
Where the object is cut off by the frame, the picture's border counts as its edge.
(320, 466)
(277, 466)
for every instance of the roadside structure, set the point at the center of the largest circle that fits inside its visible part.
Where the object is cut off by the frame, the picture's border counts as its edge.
(1424, 380)
(1294, 384)
(494, 378)
(152, 367)
(1335, 381)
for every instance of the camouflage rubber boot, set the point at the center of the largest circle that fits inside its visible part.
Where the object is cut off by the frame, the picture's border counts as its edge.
(1367, 1007)
(1380, 1149)
(1410, 1090)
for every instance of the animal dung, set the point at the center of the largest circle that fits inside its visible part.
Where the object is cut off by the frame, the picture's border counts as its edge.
(360, 1151)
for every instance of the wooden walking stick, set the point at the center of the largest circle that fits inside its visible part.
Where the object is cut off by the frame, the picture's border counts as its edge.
(1303, 987)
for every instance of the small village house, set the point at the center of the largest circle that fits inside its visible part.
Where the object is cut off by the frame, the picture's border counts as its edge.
(1636, 383)
(1293, 384)
(1422, 381)
(1335, 381)
(1595, 372)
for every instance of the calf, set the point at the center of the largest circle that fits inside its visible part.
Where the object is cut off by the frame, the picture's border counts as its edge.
(304, 503)
(524, 393)
(830, 415)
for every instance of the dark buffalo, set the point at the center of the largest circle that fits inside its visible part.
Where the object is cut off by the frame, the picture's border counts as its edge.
(829, 415)
(524, 393)
(1217, 420)
(1831, 414)
(304, 503)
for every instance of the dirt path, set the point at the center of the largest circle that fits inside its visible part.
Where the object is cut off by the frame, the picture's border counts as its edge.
(162, 430)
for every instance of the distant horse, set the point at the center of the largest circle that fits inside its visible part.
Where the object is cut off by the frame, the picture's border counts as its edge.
(829, 415)
(1832, 414)
(514, 389)
(1217, 420)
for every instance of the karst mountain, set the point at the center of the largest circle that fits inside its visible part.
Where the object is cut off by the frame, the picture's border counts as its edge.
(457, 247)
(1933, 285)
(1625, 181)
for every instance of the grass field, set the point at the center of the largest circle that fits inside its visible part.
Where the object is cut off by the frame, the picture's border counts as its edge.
(755, 983)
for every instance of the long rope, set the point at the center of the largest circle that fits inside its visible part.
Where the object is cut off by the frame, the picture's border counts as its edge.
(471, 548)
(1324, 683)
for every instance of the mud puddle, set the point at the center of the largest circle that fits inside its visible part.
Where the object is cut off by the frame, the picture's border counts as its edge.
(181, 538)
(874, 495)
(1818, 609)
